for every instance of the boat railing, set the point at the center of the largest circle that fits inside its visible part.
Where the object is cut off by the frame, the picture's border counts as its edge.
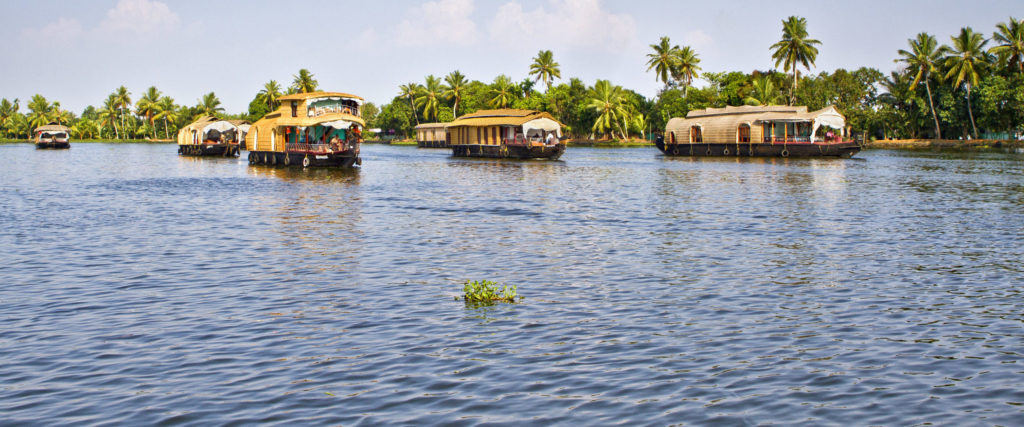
(308, 148)
(801, 139)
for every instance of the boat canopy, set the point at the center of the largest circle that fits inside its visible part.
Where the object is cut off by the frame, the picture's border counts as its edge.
(544, 124)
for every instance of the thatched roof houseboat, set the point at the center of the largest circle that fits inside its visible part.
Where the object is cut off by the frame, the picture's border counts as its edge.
(210, 136)
(507, 133)
(432, 135)
(758, 131)
(311, 129)
(53, 135)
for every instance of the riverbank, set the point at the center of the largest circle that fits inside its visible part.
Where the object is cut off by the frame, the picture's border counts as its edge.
(105, 141)
(944, 144)
(609, 143)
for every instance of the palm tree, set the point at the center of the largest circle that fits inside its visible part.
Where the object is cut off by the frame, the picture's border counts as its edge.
(765, 92)
(304, 82)
(966, 61)
(61, 115)
(662, 60)
(84, 128)
(684, 66)
(429, 97)
(456, 85)
(545, 68)
(923, 57)
(148, 105)
(795, 48)
(124, 100)
(502, 91)
(167, 111)
(108, 114)
(1011, 39)
(209, 105)
(606, 101)
(409, 91)
(40, 111)
(7, 112)
(271, 91)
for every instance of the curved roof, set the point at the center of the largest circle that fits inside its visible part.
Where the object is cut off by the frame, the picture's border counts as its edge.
(733, 116)
(432, 125)
(52, 127)
(307, 95)
(282, 120)
(509, 117)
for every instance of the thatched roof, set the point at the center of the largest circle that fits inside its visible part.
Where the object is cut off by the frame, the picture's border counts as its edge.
(505, 117)
(303, 96)
(313, 121)
(424, 126)
(52, 127)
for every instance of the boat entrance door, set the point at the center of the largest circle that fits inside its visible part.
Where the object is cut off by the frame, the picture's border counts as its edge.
(743, 135)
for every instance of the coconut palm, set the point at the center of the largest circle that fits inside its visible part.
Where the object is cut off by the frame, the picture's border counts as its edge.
(456, 85)
(545, 68)
(685, 66)
(108, 114)
(304, 82)
(795, 48)
(428, 98)
(167, 111)
(271, 91)
(60, 115)
(1011, 43)
(147, 106)
(502, 92)
(209, 105)
(922, 59)
(765, 92)
(85, 128)
(40, 111)
(8, 110)
(966, 62)
(606, 100)
(662, 61)
(409, 91)
(124, 100)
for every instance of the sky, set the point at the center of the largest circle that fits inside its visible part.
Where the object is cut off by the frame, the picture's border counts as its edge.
(78, 52)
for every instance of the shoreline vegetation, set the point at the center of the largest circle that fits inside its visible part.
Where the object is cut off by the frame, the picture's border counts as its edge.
(971, 89)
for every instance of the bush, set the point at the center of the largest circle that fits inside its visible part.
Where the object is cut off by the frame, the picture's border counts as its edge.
(486, 292)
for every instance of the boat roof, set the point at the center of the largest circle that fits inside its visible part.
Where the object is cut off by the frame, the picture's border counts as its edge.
(507, 116)
(441, 125)
(308, 95)
(730, 116)
(53, 127)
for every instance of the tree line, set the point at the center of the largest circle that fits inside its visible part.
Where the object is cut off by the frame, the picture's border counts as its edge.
(969, 88)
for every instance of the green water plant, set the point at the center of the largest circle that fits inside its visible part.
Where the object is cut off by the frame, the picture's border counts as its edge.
(486, 292)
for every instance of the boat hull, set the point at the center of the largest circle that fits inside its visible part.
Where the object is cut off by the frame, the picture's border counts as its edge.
(837, 149)
(274, 158)
(433, 144)
(221, 150)
(55, 144)
(504, 151)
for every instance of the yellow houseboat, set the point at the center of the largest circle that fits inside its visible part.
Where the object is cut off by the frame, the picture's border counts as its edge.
(769, 131)
(431, 135)
(309, 129)
(53, 136)
(210, 136)
(517, 134)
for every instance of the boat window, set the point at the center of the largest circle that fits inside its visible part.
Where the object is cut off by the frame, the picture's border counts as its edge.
(744, 133)
(477, 135)
(695, 134)
(295, 109)
(494, 134)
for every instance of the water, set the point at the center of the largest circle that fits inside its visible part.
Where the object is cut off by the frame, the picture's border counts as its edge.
(141, 287)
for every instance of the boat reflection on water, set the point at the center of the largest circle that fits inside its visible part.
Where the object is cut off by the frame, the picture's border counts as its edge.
(325, 175)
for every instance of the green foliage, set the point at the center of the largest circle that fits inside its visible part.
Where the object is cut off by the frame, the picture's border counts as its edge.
(486, 292)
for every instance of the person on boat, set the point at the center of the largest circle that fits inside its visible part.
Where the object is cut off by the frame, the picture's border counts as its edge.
(552, 139)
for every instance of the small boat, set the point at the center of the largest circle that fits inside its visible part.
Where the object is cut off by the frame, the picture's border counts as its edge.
(210, 136)
(770, 131)
(508, 133)
(53, 135)
(309, 129)
(432, 135)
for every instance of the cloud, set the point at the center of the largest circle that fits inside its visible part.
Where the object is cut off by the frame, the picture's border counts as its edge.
(569, 23)
(441, 21)
(698, 40)
(59, 34)
(139, 17)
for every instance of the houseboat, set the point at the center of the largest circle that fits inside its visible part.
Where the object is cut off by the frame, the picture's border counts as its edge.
(209, 136)
(309, 129)
(53, 136)
(516, 134)
(769, 131)
(432, 135)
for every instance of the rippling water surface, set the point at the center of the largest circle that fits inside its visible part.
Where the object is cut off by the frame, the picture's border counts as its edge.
(140, 287)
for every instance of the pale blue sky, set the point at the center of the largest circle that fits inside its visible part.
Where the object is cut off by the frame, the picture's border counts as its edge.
(77, 52)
